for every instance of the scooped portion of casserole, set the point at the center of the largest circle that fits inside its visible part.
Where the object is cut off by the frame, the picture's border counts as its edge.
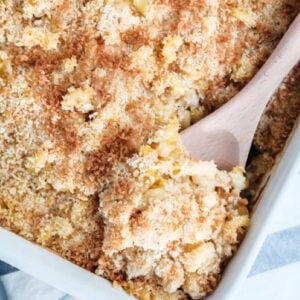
(93, 95)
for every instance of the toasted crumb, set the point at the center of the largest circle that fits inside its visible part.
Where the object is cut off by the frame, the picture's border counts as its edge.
(93, 95)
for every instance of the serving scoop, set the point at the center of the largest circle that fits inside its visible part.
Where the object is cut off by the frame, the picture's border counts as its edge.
(225, 136)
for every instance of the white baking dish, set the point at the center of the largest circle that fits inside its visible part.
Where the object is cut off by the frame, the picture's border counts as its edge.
(82, 284)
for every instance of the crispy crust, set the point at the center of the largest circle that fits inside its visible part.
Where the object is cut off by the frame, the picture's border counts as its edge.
(91, 162)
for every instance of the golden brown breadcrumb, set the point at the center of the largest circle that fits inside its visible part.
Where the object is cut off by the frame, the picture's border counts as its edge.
(93, 95)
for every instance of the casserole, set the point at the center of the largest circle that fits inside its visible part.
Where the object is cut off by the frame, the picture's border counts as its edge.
(89, 132)
(82, 284)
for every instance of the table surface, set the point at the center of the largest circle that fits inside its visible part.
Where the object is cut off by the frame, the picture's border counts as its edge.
(274, 275)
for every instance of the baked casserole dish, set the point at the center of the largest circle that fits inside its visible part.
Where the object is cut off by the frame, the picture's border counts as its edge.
(93, 95)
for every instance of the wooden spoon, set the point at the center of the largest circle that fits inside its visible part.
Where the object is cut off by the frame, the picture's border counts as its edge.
(225, 136)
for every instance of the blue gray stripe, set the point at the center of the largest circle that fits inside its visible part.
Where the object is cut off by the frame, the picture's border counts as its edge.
(5, 269)
(279, 249)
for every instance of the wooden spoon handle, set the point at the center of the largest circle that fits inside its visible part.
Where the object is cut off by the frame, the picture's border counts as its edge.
(225, 136)
(247, 107)
(278, 65)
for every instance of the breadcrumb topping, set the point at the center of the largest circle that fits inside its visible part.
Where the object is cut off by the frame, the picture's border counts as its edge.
(93, 95)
